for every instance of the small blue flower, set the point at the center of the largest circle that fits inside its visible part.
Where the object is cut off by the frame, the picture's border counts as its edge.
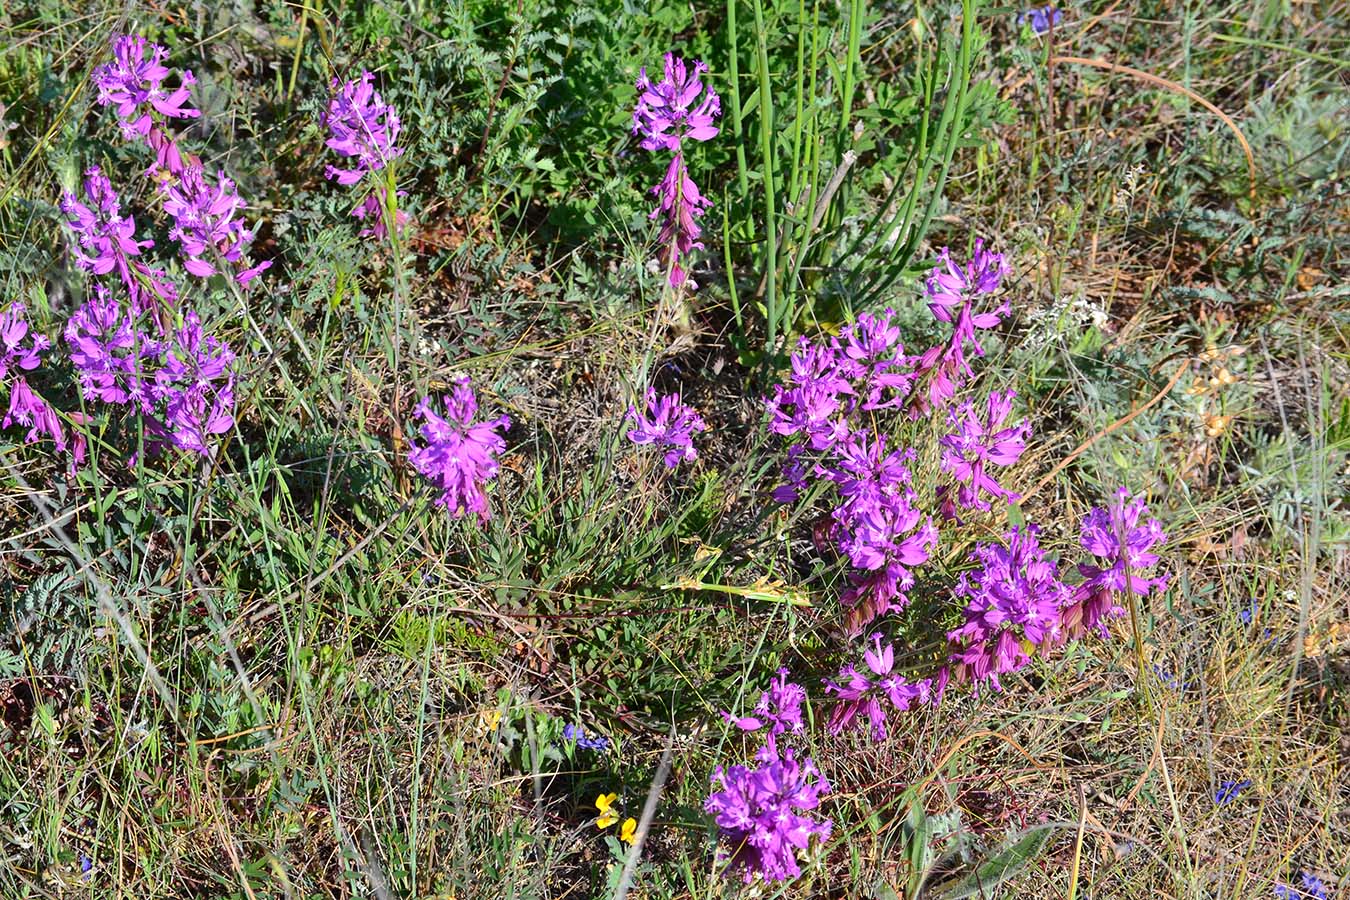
(1167, 677)
(1229, 790)
(577, 734)
(86, 866)
(1313, 889)
(1040, 18)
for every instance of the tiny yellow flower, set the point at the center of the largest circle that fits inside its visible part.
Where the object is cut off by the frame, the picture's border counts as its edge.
(488, 720)
(607, 816)
(628, 831)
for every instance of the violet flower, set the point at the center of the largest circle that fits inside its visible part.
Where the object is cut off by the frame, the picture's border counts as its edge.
(206, 222)
(195, 386)
(952, 294)
(779, 709)
(1122, 537)
(110, 353)
(1040, 18)
(1014, 602)
(460, 455)
(135, 86)
(577, 735)
(976, 443)
(105, 238)
(666, 422)
(362, 128)
(1230, 790)
(1313, 888)
(679, 106)
(21, 351)
(863, 698)
(762, 813)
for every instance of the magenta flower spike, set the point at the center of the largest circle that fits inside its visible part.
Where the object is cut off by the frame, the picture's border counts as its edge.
(1121, 537)
(666, 422)
(362, 128)
(952, 295)
(134, 86)
(676, 108)
(763, 813)
(131, 82)
(1014, 604)
(977, 442)
(863, 698)
(105, 238)
(21, 351)
(206, 222)
(459, 455)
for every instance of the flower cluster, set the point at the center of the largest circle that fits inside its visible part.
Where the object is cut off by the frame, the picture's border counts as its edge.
(206, 222)
(669, 111)
(953, 294)
(363, 129)
(1014, 606)
(666, 422)
(974, 444)
(460, 455)
(21, 351)
(862, 695)
(181, 384)
(763, 812)
(1122, 538)
(827, 405)
(135, 86)
(206, 216)
(779, 709)
(577, 735)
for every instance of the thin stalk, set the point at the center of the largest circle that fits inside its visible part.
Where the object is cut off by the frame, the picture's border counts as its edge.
(742, 180)
(767, 161)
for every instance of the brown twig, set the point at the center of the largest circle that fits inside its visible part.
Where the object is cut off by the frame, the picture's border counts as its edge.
(1180, 89)
(1119, 423)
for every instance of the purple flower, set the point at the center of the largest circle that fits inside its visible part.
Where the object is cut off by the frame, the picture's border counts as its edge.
(25, 407)
(577, 735)
(876, 524)
(14, 356)
(100, 228)
(779, 709)
(1229, 790)
(677, 107)
(861, 696)
(667, 422)
(1013, 605)
(460, 455)
(1313, 889)
(1040, 18)
(196, 389)
(373, 208)
(976, 443)
(110, 353)
(817, 399)
(131, 81)
(952, 293)
(362, 128)
(206, 222)
(760, 813)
